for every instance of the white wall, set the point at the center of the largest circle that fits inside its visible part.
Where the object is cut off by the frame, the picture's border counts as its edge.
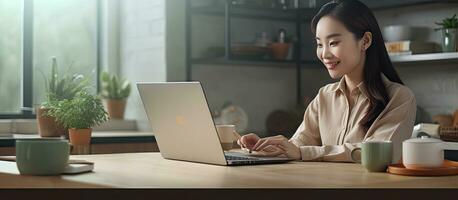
(142, 44)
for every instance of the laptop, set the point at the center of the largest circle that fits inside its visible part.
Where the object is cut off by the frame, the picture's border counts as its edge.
(184, 128)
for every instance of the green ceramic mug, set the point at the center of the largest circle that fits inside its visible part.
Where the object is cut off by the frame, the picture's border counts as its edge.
(376, 156)
(42, 156)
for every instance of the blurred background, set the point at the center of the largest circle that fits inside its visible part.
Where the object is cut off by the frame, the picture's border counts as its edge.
(255, 58)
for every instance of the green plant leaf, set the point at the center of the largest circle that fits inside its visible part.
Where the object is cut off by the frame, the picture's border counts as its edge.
(113, 87)
(83, 111)
(54, 75)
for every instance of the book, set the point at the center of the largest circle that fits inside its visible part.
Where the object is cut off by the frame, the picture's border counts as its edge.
(77, 168)
(449, 134)
(73, 167)
(415, 47)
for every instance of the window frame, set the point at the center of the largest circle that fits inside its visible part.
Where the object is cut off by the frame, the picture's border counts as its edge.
(27, 61)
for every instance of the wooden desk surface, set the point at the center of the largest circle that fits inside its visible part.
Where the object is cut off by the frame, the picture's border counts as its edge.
(150, 170)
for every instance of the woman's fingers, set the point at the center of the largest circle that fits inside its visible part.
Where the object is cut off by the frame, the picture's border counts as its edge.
(275, 152)
(276, 140)
(249, 140)
(240, 144)
(261, 140)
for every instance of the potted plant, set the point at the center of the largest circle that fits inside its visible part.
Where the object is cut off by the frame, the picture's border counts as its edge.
(115, 92)
(281, 48)
(79, 115)
(57, 89)
(449, 28)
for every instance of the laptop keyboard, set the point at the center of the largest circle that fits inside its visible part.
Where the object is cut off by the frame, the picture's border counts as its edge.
(239, 158)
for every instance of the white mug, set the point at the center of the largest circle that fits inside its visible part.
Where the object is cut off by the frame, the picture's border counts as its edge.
(227, 135)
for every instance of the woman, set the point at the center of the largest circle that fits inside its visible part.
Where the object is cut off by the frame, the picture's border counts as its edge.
(369, 103)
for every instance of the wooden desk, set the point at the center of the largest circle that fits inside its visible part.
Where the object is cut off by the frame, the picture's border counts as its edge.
(150, 170)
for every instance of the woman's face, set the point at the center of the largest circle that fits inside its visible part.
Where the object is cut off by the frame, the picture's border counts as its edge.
(337, 48)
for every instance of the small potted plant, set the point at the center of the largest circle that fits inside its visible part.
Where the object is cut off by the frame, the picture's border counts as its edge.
(79, 115)
(57, 88)
(281, 48)
(449, 28)
(115, 92)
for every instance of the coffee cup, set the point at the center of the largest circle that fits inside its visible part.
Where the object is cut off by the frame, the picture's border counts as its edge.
(42, 156)
(227, 135)
(376, 156)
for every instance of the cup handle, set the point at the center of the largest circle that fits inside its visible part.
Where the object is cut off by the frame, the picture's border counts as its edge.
(352, 155)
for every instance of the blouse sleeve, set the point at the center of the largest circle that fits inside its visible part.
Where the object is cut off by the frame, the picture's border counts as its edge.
(395, 123)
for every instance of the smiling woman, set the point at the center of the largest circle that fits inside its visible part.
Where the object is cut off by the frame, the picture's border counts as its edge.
(369, 103)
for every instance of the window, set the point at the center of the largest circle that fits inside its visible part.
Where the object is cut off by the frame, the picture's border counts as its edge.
(10, 56)
(36, 31)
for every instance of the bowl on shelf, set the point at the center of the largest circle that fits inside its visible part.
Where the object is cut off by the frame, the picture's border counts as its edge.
(397, 33)
(279, 51)
(248, 50)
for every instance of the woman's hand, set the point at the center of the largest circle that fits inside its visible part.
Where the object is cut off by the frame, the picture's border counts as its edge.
(281, 142)
(270, 146)
(248, 141)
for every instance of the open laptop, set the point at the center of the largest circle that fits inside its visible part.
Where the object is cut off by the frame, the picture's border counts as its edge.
(183, 126)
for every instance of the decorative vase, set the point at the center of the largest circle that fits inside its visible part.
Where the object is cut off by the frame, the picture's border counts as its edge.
(280, 50)
(80, 137)
(115, 108)
(449, 40)
(48, 126)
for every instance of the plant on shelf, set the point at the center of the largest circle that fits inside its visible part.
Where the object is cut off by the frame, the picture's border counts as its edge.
(449, 27)
(58, 88)
(79, 115)
(115, 92)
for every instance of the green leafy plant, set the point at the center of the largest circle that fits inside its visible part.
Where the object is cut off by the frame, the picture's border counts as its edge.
(60, 88)
(83, 111)
(114, 87)
(451, 22)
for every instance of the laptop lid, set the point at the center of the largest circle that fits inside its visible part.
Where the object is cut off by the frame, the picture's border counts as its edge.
(181, 121)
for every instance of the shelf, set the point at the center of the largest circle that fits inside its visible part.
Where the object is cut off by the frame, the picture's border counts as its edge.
(389, 4)
(430, 57)
(252, 62)
(405, 59)
(255, 12)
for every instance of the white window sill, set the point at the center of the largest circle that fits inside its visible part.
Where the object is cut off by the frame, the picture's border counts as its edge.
(8, 127)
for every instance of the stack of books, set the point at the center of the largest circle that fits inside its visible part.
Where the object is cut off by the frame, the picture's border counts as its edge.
(408, 47)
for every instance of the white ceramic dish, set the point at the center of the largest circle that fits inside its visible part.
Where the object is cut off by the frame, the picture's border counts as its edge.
(397, 33)
(425, 152)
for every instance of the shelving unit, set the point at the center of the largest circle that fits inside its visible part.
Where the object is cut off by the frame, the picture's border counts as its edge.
(430, 57)
(229, 11)
(298, 17)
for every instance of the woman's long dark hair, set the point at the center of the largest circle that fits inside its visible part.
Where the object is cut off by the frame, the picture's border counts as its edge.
(358, 19)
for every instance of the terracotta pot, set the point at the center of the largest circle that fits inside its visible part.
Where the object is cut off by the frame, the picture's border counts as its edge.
(80, 137)
(279, 50)
(115, 108)
(48, 126)
(455, 119)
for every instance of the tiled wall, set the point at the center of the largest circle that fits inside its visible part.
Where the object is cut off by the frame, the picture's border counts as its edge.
(142, 24)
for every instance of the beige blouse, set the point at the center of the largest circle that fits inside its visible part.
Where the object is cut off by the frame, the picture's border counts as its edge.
(330, 129)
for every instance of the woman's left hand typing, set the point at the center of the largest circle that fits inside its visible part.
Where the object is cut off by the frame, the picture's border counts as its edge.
(280, 141)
